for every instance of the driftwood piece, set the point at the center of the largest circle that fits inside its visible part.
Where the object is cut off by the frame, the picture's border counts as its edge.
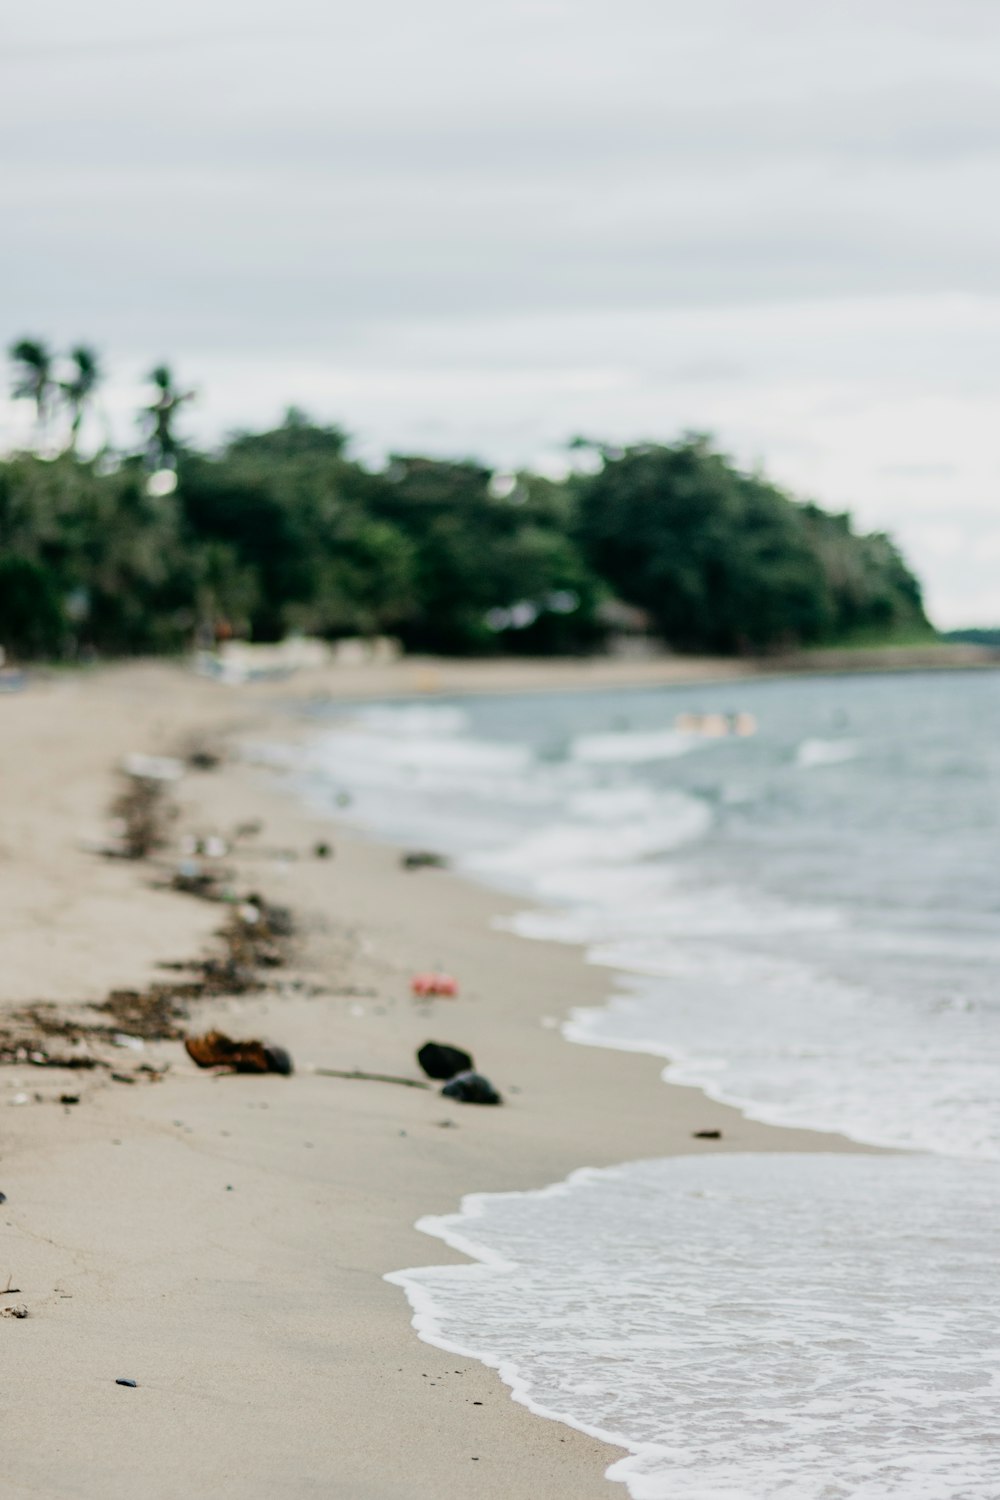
(407, 1083)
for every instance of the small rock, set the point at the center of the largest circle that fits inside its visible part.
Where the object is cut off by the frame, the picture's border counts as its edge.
(707, 1135)
(439, 1060)
(423, 859)
(16, 1310)
(471, 1088)
(204, 759)
(278, 1059)
(123, 1380)
(323, 851)
(69, 1098)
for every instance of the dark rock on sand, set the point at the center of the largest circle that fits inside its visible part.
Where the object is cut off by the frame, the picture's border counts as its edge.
(471, 1088)
(438, 1060)
(278, 1059)
(423, 859)
(707, 1135)
(122, 1380)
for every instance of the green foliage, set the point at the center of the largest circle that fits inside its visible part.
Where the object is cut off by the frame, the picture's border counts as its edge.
(95, 537)
(481, 553)
(283, 530)
(33, 377)
(975, 636)
(31, 613)
(158, 419)
(724, 561)
(78, 391)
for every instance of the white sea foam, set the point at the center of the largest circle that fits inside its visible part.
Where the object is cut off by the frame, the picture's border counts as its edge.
(629, 747)
(406, 719)
(783, 1327)
(813, 753)
(792, 1046)
(612, 833)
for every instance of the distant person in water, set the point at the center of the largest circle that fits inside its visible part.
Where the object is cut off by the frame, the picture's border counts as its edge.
(716, 725)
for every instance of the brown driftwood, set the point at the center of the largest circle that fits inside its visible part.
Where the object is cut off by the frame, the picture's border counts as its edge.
(407, 1083)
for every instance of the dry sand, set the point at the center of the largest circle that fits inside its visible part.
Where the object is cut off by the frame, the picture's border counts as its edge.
(223, 1241)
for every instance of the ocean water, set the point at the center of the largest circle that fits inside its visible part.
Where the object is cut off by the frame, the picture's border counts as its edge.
(805, 922)
(803, 1327)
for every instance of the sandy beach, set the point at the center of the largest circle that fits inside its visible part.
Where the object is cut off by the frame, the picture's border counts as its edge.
(223, 1241)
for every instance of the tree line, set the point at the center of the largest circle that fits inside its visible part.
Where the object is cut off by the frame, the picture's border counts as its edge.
(149, 549)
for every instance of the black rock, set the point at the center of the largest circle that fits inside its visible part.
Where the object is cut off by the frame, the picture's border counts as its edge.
(123, 1381)
(423, 859)
(471, 1088)
(279, 1060)
(438, 1060)
(322, 851)
(3, 1197)
(707, 1135)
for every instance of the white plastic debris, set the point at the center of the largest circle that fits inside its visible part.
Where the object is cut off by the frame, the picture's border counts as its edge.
(152, 767)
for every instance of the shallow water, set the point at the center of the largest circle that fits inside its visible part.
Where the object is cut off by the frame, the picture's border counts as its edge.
(804, 922)
(772, 1327)
(809, 919)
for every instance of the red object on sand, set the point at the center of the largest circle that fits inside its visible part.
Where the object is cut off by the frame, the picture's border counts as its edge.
(434, 984)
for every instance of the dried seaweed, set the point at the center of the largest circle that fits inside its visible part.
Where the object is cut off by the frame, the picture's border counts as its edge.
(143, 811)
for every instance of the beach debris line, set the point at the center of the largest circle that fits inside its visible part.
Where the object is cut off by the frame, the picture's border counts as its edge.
(192, 879)
(140, 813)
(434, 984)
(471, 1088)
(441, 1061)
(213, 1049)
(423, 859)
(254, 938)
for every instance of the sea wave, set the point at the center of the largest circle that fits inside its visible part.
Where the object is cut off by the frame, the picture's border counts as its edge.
(776, 1327)
(812, 753)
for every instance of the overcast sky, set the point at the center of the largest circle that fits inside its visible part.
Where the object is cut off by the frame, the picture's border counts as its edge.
(483, 226)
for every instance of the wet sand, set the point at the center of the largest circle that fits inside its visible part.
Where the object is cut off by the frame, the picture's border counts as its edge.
(223, 1240)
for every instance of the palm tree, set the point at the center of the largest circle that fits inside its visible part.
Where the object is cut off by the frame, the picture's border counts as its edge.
(78, 390)
(33, 378)
(160, 414)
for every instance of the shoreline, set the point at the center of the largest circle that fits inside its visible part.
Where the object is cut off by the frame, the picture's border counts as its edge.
(421, 677)
(224, 1241)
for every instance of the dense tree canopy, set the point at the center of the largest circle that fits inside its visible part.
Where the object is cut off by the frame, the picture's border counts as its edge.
(283, 530)
(724, 561)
